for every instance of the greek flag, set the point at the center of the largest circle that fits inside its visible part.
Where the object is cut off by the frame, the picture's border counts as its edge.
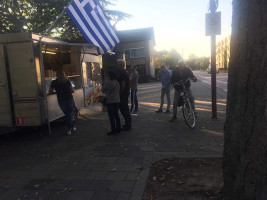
(93, 24)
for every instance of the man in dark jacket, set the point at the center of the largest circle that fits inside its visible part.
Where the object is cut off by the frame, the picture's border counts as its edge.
(123, 78)
(181, 73)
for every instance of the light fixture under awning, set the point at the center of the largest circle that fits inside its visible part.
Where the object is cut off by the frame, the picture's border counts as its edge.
(49, 52)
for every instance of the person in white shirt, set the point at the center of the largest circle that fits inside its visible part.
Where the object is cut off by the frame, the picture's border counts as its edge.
(112, 92)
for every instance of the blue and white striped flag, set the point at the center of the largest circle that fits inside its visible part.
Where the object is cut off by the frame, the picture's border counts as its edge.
(93, 24)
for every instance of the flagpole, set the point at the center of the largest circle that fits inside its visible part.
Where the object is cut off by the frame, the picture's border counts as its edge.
(54, 22)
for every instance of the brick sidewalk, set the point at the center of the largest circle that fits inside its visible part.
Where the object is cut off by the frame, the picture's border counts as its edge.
(93, 166)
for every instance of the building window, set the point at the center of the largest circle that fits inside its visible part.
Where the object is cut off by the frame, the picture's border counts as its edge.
(134, 53)
(127, 53)
(138, 53)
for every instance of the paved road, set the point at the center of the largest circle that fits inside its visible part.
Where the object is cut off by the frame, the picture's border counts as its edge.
(221, 79)
(93, 166)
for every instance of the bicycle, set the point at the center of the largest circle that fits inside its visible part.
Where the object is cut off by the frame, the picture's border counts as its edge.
(188, 112)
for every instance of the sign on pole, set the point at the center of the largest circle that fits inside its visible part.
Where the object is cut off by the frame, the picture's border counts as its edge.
(213, 28)
(213, 23)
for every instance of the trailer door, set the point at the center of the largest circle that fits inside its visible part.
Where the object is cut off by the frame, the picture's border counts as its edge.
(5, 109)
(24, 83)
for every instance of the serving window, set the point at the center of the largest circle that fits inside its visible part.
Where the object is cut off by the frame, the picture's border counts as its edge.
(64, 57)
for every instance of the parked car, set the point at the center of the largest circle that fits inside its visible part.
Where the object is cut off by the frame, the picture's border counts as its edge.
(209, 69)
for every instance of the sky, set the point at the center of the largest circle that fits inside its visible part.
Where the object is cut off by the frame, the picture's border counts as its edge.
(178, 24)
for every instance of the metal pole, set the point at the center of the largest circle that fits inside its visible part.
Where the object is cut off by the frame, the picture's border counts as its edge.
(213, 7)
(213, 76)
(54, 22)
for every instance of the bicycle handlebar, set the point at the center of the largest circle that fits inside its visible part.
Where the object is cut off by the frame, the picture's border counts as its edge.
(181, 81)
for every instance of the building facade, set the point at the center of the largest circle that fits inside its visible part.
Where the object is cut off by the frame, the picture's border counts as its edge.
(137, 48)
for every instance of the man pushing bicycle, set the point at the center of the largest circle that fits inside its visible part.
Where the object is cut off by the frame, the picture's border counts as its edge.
(181, 72)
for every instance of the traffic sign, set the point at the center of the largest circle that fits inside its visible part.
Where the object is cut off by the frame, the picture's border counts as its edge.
(213, 23)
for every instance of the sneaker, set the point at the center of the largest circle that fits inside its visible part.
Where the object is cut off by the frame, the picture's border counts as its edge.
(167, 111)
(173, 118)
(74, 129)
(69, 132)
(159, 111)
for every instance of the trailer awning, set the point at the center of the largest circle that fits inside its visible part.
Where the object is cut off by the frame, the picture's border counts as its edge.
(85, 47)
(47, 40)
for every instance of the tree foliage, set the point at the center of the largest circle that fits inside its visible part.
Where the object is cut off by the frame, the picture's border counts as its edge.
(159, 58)
(202, 63)
(37, 15)
(168, 58)
(172, 58)
(196, 63)
(191, 62)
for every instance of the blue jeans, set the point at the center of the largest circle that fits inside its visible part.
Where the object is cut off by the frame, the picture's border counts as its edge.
(165, 91)
(134, 101)
(67, 108)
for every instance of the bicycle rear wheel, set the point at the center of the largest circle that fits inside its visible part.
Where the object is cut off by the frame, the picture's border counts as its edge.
(189, 114)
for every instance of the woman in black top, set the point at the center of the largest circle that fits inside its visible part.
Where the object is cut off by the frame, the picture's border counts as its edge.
(64, 91)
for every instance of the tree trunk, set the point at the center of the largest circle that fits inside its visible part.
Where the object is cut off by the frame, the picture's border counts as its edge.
(245, 154)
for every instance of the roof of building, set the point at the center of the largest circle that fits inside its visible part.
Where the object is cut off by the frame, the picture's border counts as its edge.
(136, 35)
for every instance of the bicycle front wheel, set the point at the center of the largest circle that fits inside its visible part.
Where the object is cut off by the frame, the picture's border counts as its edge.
(189, 114)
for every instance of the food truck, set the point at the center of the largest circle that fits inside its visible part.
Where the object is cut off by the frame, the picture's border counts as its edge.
(28, 64)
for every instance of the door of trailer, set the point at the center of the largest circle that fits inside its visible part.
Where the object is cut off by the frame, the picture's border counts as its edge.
(5, 109)
(24, 85)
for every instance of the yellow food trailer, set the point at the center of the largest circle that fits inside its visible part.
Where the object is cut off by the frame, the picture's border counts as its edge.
(27, 67)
